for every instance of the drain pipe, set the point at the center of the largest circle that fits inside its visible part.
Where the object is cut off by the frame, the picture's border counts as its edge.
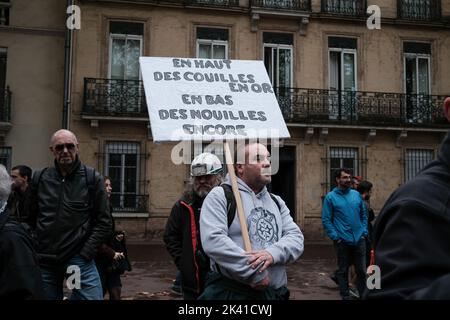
(67, 72)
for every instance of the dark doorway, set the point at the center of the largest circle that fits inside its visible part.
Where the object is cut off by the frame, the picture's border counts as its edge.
(283, 183)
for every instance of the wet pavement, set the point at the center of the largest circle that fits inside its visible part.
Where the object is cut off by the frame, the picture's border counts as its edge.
(153, 273)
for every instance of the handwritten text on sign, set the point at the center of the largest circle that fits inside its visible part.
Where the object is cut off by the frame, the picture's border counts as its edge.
(210, 99)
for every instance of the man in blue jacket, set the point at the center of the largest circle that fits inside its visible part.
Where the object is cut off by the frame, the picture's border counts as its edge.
(345, 221)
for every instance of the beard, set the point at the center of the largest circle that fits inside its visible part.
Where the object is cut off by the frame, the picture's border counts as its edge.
(202, 193)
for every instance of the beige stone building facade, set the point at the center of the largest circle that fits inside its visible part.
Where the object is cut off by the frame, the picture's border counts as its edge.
(32, 35)
(365, 99)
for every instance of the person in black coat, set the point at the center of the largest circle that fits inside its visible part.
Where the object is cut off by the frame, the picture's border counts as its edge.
(412, 234)
(112, 256)
(20, 276)
(182, 234)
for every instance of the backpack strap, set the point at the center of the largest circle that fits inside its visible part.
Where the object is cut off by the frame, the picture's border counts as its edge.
(231, 203)
(37, 177)
(90, 182)
(275, 200)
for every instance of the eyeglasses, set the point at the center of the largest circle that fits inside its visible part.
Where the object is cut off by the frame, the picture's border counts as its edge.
(68, 146)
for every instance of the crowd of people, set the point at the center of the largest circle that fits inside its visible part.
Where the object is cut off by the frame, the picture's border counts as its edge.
(229, 237)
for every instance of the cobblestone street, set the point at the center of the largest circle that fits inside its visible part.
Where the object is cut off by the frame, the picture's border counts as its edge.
(154, 271)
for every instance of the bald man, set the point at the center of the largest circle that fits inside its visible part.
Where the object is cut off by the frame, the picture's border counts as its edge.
(412, 234)
(68, 210)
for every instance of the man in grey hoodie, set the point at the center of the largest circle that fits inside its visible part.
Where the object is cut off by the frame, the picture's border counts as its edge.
(275, 238)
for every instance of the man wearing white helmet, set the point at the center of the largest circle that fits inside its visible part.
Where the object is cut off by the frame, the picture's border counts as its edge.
(183, 223)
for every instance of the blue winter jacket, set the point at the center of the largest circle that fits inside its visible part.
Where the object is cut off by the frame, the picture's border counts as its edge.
(344, 216)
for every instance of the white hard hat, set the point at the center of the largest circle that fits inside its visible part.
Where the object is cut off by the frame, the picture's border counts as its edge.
(205, 164)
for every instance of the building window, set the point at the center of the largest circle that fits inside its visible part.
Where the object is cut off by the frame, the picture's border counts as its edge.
(3, 59)
(4, 12)
(123, 163)
(125, 48)
(416, 160)
(4, 95)
(417, 80)
(5, 157)
(342, 77)
(342, 158)
(212, 43)
(278, 59)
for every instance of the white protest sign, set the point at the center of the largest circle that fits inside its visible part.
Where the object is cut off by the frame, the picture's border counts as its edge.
(204, 99)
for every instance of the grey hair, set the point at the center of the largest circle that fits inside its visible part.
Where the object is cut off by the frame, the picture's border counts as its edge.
(5, 183)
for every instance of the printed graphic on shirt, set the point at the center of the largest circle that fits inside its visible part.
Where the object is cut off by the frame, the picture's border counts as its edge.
(263, 228)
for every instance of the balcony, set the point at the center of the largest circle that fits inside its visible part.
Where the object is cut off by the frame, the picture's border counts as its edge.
(355, 8)
(111, 98)
(419, 10)
(282, 9)
(319, 106)
(5, 105)
(208, 3)
(215, 3)
(296, 5)
(129, 202)
(4, 12)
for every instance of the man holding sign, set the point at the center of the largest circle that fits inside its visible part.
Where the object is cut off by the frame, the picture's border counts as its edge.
(209, 100)
(276, 240)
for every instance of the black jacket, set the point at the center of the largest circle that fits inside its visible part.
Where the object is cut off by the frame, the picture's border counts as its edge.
(68, 218)
(16, 202)
(412, 235)
(20, 277)
(192, 262)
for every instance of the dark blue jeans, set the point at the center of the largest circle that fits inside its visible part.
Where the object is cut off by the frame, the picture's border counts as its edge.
(346, 256)
(90, 287)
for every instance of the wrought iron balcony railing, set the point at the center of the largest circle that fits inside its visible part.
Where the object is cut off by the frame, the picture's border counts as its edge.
(4, 12)
(114, 98)
(129, 202)
(5, 105)
(425, 10)
(129, 195)
(298, 5)
(361, 108)
(222, 3)
(225, 3)
(345, 7)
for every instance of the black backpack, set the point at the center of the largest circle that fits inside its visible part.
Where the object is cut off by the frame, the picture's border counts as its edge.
(231, 202)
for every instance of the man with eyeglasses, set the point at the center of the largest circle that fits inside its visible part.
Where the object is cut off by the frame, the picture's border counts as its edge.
(275, 238)
(344, 219)
(68, 211)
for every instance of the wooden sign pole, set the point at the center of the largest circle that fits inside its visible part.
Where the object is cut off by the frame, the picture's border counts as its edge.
(237, 196)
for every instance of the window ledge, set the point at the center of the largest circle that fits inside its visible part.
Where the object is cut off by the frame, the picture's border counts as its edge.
(130, 214)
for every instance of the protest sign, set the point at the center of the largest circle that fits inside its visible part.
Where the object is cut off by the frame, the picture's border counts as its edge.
(203, 99)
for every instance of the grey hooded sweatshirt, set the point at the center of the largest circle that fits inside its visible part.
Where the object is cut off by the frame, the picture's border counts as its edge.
(269, 229)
